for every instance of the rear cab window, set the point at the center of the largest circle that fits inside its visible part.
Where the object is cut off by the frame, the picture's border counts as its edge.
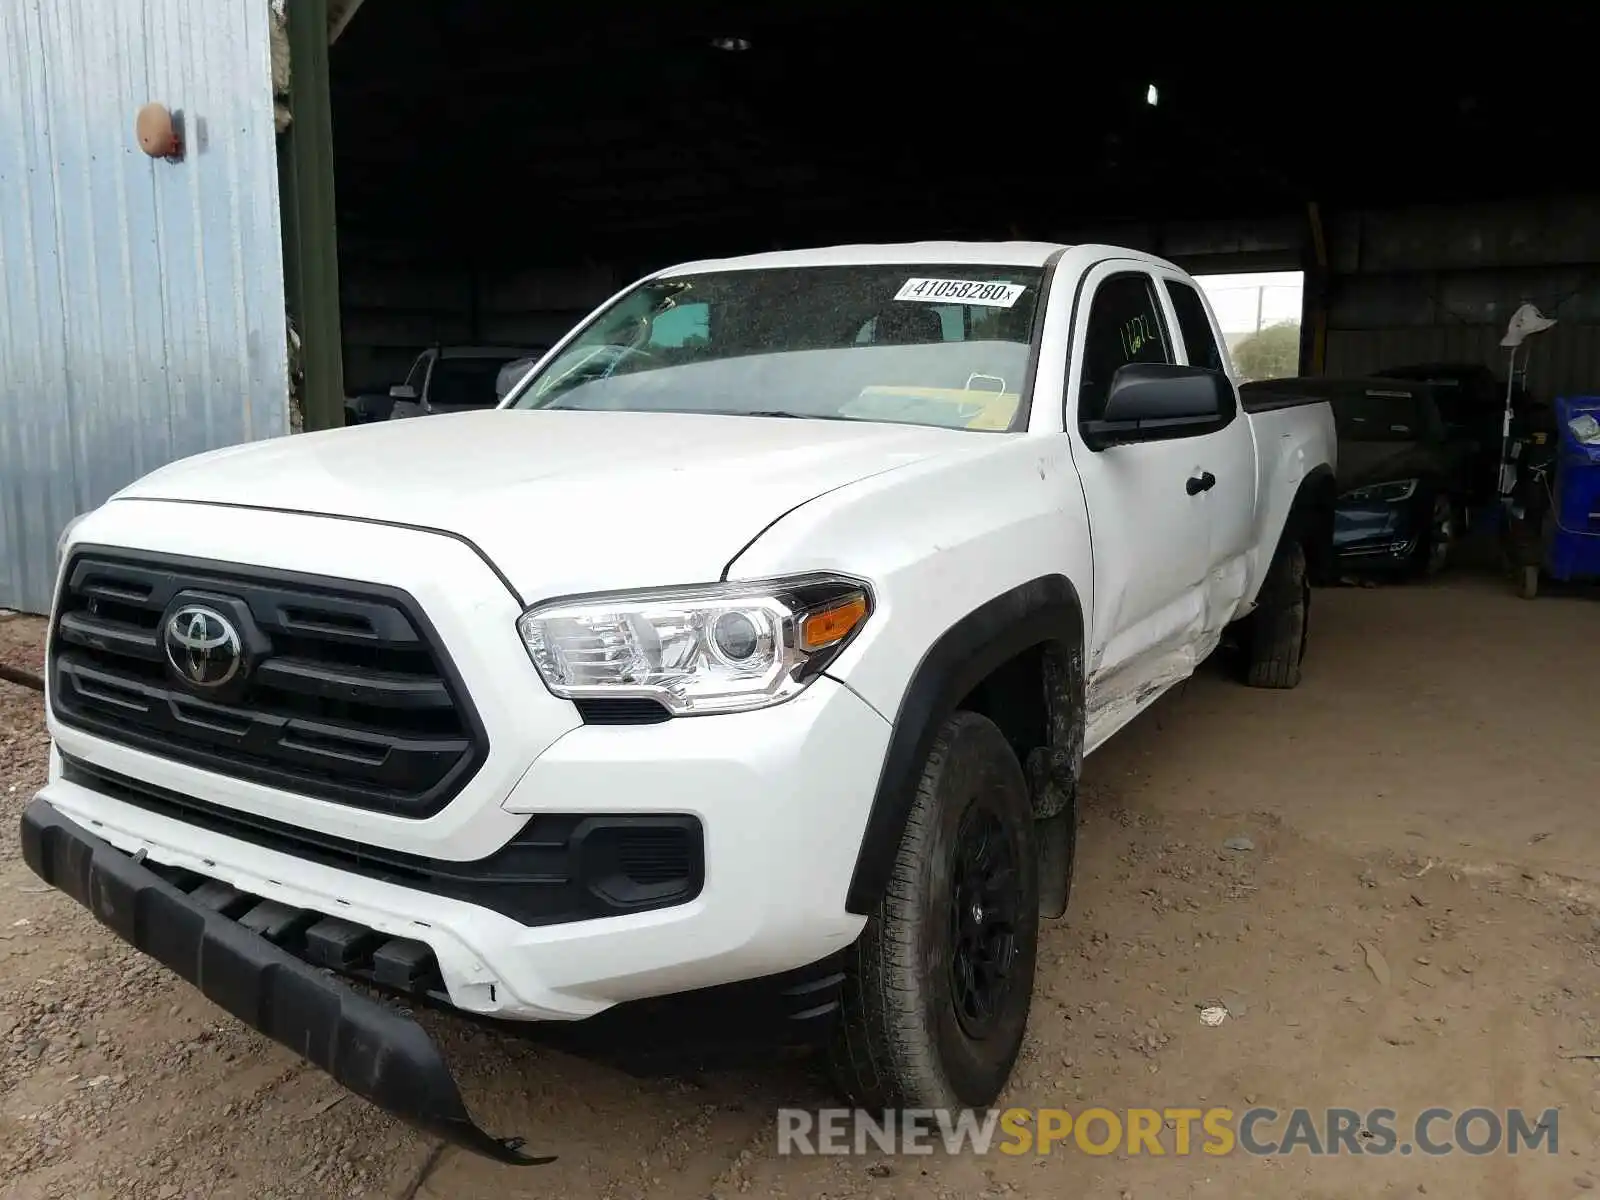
(1195, 326)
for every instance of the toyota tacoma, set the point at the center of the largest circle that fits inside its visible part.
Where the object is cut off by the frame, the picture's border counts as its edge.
(755, 641)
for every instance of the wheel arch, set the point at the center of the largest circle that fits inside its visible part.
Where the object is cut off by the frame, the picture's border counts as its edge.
(1311, 520)
(1045, 612)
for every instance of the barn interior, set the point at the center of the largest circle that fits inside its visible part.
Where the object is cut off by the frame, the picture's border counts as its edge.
(500, 167)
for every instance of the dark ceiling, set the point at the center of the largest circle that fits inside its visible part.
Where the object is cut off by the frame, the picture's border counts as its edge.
(566, 133)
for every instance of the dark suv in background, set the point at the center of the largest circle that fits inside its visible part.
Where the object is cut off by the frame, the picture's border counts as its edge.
(1471, 400)
(1407, 474)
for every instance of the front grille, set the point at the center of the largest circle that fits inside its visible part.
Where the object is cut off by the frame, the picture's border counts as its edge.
(621, 712)
(560, 866)
(654, 856)
(344, 692)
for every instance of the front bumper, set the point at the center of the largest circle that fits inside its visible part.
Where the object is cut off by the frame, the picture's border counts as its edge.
(370, 1049)
(1374, 535)
(782, 796)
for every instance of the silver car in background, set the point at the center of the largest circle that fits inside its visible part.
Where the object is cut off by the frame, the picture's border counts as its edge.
(460, 379)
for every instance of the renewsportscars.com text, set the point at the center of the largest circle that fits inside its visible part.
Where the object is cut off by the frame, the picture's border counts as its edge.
(1257, 1131)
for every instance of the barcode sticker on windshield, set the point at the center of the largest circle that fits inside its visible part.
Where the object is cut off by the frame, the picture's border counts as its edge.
(961, 291)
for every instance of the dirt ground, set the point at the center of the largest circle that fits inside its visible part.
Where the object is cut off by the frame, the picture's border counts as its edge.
(1410, 922)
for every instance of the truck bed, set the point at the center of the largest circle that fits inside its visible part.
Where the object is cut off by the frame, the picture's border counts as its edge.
(1268, 395)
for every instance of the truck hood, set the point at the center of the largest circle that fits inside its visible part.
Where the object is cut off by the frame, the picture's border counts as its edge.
(563, 502)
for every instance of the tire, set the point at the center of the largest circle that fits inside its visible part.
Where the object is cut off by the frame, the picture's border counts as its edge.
(1438, 544)
(1528, 584)
(1275, 640)
(910, 1035)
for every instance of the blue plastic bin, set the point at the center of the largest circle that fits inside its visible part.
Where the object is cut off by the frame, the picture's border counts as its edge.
(1574, 548)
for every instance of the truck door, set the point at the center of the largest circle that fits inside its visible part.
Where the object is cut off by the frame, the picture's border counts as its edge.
(1228, 506)
(1147, 522)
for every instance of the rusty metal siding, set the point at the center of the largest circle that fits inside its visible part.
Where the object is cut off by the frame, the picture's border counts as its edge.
(141, 301)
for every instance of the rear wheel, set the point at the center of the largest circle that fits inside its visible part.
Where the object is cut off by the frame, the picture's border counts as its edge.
(938, 985)
(1276, 632)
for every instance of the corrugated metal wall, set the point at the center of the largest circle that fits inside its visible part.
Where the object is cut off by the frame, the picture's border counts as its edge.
(141, 301)
(1563, 361)
(392, 309)
(1439, 284)
(1424, 284)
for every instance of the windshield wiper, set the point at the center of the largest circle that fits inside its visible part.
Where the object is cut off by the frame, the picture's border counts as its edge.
(780, 412)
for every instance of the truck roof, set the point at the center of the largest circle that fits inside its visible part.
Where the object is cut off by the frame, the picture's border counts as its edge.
(1004, 254)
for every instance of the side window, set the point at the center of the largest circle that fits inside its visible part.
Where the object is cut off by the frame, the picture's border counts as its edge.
(1193, 325)
(418, 374)
(1125, 326)
(464, 382)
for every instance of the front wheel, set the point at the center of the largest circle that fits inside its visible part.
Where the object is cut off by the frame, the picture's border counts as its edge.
(939, 983)
(1436, 546)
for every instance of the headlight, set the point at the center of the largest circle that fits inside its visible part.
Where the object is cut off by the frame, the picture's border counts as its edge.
(714, 649)
(1383, 493)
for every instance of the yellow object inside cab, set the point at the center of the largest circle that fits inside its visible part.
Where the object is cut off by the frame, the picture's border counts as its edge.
(952, 408)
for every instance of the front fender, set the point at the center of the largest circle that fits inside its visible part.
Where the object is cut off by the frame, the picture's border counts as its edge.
(1043, 611)
(972, 557)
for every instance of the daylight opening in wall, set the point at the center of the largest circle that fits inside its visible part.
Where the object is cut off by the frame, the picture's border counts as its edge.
(1260, 318)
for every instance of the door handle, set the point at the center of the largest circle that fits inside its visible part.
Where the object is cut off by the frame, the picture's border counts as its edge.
(1202, 482)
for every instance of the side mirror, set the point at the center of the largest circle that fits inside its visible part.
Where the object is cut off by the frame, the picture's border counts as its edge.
(1150, 402)
(402, 391)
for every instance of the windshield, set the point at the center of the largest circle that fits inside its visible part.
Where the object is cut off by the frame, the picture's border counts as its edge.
(466, 382)
(1380, 416)
(511, 374)
(917, 344)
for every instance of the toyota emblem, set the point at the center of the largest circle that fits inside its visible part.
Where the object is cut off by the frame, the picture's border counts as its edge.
(203, 646)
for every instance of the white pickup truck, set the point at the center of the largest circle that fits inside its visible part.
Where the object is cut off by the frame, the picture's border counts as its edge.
(752, 647)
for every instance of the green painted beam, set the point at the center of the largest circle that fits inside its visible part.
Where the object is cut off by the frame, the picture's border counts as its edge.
(310, 231)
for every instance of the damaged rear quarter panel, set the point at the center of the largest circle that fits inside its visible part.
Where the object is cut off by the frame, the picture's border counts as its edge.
(1292, 443)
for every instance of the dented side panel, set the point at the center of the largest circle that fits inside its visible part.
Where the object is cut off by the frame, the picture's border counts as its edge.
(946, 536)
